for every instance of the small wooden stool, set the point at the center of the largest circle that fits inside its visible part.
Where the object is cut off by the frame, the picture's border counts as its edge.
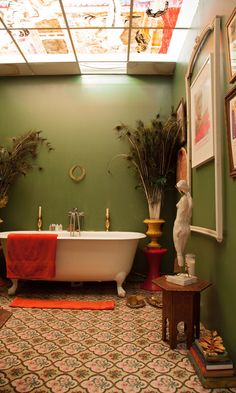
(181, 304)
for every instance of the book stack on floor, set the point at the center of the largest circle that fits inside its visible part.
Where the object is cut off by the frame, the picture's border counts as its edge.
(211, 362)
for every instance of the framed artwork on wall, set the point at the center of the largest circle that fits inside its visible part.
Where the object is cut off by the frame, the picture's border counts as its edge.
(231, 45)
(201, 91)
(180, 115)
(182, 165)
(211, 69)
(230, 117)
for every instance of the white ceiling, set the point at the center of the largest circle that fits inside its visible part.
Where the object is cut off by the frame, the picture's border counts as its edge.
(55, 37)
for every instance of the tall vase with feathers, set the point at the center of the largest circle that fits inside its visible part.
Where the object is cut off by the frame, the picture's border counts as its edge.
(153, 151)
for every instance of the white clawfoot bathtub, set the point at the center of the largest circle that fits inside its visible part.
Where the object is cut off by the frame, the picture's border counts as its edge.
(90, 256)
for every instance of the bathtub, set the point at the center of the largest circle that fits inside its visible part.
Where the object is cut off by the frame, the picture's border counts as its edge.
(90, 256)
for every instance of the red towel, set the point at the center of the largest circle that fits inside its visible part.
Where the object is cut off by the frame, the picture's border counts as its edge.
(31, 256)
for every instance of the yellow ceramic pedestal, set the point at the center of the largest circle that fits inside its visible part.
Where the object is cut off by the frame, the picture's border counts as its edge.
(154, 231)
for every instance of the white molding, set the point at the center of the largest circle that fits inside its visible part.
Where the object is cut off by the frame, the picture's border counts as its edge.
(214, 28)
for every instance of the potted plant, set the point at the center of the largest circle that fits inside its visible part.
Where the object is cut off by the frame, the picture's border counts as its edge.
(153, 151)
(18, 160)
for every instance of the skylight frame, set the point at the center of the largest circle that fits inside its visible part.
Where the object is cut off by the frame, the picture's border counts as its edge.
(62, 38)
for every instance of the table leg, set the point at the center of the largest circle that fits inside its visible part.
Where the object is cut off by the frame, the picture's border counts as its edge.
(164, 327)
(197, 313)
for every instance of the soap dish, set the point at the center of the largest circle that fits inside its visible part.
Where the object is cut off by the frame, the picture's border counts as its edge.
(154, 301)
(135, 301)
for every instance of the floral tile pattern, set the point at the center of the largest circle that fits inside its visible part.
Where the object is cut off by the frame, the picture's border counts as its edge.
(90, 351)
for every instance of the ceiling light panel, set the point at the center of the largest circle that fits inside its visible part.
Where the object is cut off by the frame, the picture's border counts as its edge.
(156, 45)
(100, 44)
(156, 14)
(32, 14)
(97, 13)
(8, 50)
(44, 44)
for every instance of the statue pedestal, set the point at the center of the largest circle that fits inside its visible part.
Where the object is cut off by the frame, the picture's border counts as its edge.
(153, 256)
(181, 303)
(182, 279)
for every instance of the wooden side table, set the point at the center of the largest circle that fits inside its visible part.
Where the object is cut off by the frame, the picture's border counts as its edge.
(153, 256)
(181, 304)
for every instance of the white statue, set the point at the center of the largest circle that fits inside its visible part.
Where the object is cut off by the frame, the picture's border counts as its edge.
(181, 229)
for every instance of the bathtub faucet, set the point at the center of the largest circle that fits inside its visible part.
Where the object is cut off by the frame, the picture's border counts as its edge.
(74, 224)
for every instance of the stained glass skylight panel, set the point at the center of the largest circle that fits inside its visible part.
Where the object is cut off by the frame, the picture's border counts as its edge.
(8, 50)
(158, 45)
(97, 13)
(93, 31)
(100, 44)
(21, 14)
(44, 44)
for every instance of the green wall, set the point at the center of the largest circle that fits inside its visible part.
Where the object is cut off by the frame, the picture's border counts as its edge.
(214, 261)
(78, 116)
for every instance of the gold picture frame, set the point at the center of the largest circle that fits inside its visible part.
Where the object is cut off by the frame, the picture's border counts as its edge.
(181, 116)
(202, 112)
(230, 118)
(231, 45)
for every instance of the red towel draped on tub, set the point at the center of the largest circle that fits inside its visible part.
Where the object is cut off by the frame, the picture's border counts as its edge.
(31, 256)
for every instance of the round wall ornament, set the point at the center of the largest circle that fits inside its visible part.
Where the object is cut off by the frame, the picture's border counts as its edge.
(75, 177)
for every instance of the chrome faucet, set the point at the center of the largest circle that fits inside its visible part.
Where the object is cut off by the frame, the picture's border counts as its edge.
(74, 224)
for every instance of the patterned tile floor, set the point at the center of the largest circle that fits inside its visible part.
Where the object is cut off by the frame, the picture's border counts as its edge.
(79, 351)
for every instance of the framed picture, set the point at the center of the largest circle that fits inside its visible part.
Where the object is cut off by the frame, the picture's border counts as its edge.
(180, 115)
(230, 116)
(208, 39)
(182, 165)
(201, 96)
(231, 45)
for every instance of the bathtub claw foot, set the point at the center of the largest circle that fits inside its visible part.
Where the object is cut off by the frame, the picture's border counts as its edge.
(120, 290)
(120, 278)
(12, 290)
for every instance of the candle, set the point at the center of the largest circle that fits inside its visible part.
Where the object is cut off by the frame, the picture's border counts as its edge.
(40, 211)
(190, 263)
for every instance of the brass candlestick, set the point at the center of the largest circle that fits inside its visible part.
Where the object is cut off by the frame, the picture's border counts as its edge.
(40, 223)
(40, 219)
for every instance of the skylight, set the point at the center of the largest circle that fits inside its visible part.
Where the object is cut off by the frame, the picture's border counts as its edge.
(96, 36)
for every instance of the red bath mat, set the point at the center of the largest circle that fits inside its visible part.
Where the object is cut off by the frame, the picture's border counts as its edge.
(70, 304)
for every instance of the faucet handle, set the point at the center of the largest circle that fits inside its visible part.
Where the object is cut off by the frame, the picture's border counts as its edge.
(73, 210)
(81, 214)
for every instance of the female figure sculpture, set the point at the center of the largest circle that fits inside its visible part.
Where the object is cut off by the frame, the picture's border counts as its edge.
(181, 229)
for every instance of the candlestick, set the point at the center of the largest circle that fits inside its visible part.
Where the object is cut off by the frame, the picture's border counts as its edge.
(190, 264)
(40, 219)
(107, 219)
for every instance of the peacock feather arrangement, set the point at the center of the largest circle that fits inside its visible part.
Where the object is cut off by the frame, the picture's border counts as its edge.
(153, 151)
(18, 160)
